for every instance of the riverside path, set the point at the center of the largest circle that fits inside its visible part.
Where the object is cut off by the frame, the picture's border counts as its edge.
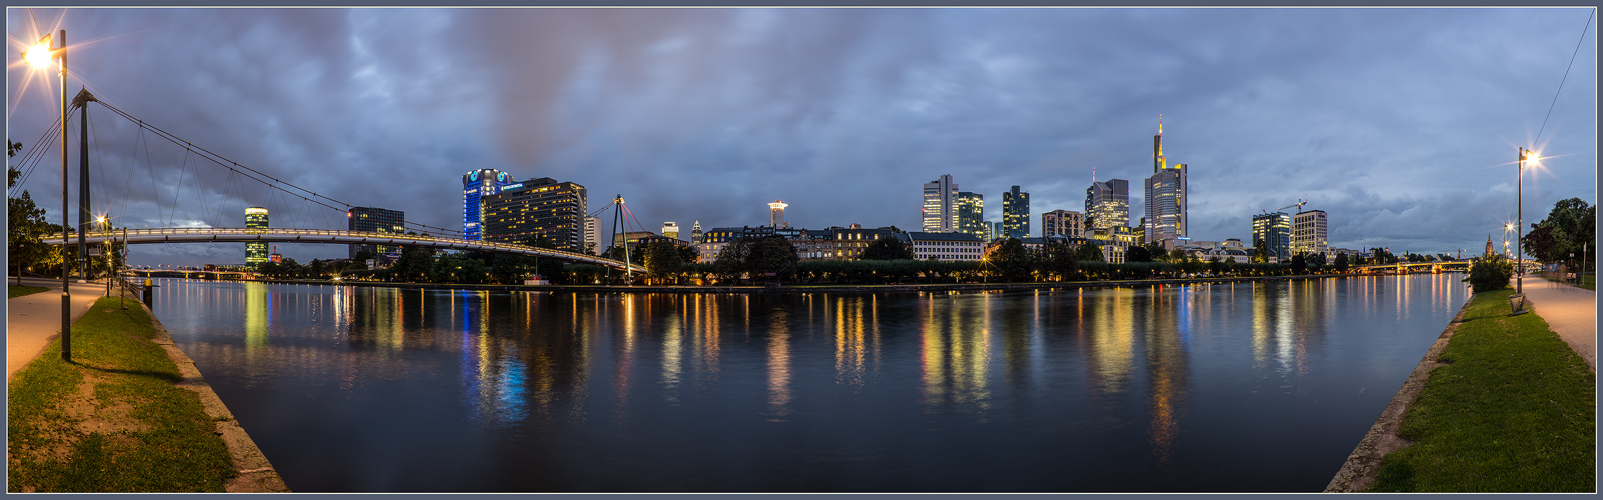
(1569, 311)
(34, 320)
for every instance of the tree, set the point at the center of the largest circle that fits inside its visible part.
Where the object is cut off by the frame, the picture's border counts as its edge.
(1260, 252)
(363, 255)
(1490, 272)
(773, 254)
(1011, 260)
(26, 226)
(1570, 228)
(887, 249)
(1138, 253)
(1341, 263)
(1057, 259)
(1088, 252)
(663, 259)
(1298, 264)
(414, 264)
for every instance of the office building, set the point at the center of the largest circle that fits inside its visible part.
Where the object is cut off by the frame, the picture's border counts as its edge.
(1067, 223)
(592, 234)
(1016, 213)
(970, 207)
(1166, 197)
(940, 203)
(1308, 233)
(1107, 204)
(776, 214)
(255, 252)
(375, 220)
(475, 186)
(670, 229)
(1274, 230)
(528, 210)
(695, 233)
(943, 246)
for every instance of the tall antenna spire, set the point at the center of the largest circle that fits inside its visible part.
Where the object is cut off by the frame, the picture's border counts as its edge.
(1093, 175)
(1160, 123)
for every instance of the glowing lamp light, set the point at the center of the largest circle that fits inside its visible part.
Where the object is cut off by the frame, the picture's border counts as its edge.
(38, 55)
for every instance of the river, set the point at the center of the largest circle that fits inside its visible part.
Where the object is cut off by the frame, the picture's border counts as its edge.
(1241, 387)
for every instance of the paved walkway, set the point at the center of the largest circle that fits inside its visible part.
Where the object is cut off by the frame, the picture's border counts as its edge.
(1570, 311)
(33, 321)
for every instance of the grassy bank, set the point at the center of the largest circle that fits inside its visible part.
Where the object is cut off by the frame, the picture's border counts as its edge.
(13, 291)
(1512, 411)
(111, 421)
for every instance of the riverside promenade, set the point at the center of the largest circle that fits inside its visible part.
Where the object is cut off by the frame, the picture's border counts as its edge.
(34, 320)
(1570, 311)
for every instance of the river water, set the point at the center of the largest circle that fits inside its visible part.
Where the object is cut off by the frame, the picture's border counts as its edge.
(1200, 388)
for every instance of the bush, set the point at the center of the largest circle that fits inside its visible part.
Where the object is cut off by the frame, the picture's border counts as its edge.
(1489, 273)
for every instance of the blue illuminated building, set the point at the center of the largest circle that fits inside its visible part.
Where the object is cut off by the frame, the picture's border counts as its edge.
(475, 186)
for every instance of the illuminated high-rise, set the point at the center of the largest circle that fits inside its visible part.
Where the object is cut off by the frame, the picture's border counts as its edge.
(255, 252)
(1107, 204)
(475, 186)
(969, 208)
(1016, 213)
(375, 220)
(1308, 233)
(1067, 223)
(536, 208)
(1166, 193)
(670, 229)
(940, 205)
(776, 214)
(592, 235)
(1274, 230)
(695, 233)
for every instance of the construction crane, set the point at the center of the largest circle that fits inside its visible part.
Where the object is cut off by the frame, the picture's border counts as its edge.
(1299, 204)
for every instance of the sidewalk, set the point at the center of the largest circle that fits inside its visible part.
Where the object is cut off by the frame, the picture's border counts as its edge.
(33, 321)
(1569, 311)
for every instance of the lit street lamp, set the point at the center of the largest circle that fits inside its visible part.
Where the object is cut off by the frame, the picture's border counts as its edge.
(39, 56)
(1517, 301)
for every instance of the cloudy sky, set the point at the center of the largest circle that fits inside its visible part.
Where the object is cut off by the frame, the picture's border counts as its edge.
(1402, 124)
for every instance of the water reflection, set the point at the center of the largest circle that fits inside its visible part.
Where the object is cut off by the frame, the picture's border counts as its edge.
(1140, 388)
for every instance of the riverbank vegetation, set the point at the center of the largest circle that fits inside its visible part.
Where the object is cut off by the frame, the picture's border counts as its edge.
(111, 421)
(1512, 410)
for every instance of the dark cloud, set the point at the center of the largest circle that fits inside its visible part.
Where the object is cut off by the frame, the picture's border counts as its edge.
(1401, 123)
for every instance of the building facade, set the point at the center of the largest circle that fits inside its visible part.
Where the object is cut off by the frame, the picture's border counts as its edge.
(592, 234)
(1308, 233)
(535, 208)
(940, 200)
(375, 220)
(944, 246)
(1274, 230)
(670, 229)
(1016, 213)
(255, 253)
(1107, 204)
(695, 233)
(475, 186)
(1166, 205)
(1066, 223)
(970, 208)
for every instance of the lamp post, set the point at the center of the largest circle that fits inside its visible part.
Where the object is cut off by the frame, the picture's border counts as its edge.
(39, 56)
(1518, 299)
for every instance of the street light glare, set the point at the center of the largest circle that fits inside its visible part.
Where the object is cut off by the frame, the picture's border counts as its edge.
(38, 55)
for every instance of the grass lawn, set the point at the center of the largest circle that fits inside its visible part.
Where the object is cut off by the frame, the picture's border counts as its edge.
(112, 421)
(1589, 282)
(13, 291)
(1513, 411)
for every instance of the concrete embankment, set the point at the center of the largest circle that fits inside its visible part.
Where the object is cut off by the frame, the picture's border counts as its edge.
(256, 474)
(1361, 466)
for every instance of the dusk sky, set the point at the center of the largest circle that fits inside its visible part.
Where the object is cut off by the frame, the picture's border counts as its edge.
(1401, 124)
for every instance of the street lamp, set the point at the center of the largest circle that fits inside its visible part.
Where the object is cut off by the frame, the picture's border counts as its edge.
(1518, 299)
(39, 56)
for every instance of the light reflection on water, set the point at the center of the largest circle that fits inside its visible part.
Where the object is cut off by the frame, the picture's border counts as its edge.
(1221, 387)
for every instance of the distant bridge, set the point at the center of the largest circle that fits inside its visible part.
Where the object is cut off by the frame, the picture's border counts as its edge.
(284, 235)
(1432, 266)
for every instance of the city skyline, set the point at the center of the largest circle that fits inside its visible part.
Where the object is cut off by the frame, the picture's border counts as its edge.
(1399, 123)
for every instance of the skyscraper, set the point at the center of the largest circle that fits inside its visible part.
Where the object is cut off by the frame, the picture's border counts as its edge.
(1107, 204)
(1166, 193)
(255, 252)
(970, 208)
(776, 214)
(475, 186)
(1308, 233)
(534, 208)
(695, 233)
(1274, 230)
(670, 229)
(1066, 223)
(1016, 213)
(592, 234)
(940, 198)
(375, 220)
